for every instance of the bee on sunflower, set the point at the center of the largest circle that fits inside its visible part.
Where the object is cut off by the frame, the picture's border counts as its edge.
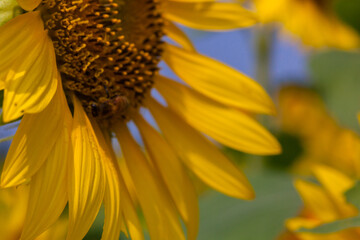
(78, 72)
(314, 22)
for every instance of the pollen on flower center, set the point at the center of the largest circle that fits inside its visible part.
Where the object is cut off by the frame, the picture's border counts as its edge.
(107, 51)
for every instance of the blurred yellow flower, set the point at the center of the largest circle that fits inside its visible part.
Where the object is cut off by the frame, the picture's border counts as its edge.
(13, 204)
(314, 22)
(100, 59)
(303, 114)
(323, 203)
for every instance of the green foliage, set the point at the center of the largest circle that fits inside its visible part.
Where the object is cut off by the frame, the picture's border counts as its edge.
(353, 195)
(334, 226)
(8, 10)
(226, 218)
(337, 75)
(291, 150)
(348, 11)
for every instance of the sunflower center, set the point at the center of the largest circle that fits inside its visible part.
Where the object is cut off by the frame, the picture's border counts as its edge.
(107, 51)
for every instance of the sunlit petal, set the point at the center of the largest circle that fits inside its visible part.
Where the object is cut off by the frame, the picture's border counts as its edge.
(176, 34)
(228, 126)
(86, 176)
(48, 187)
(112, 203)
(31, 79)
(201, 156)
(177, 181)
(209, 15)
(160, 214)
(218, 81)
(129, 212)
(33, 141)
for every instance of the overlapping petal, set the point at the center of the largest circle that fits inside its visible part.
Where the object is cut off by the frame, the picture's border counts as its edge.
(335, 184)
(28, 5)
(159, 212)
(112, 203)
(201, 156)
(226, 125)
(33, 141)
(174, 175)
(31, 79)
(218, 81)
(86, 176)
(129, 213)
(176, 34)
(48, 187)
(316, 200)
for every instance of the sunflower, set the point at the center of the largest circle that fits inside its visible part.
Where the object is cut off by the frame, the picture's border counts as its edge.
(314, 22)
(332, 145)
(78, 72)
(323, 203)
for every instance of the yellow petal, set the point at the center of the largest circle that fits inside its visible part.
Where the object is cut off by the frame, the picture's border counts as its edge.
(336, 184)
(228, 126)
(176, 34)
(129, 212)
(127, 180)
(129, 201)
(160, 214)
(316, 200)
(200, 155)
(33, 141)
(209, 15)
(56, 232)
(174, 176)
(333, 181)
(86, 176)
(48, 188)
(218, 81)
(11, 38)
(13, 203)
(31, 78)
(299, 222)
(112, 221)
(28, 5)
(124, 228)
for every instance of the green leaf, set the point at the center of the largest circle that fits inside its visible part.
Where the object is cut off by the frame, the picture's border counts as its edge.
(334, 226)
(336, 75)
(292, 149)
(8, 10)
(348, 11)
(353, 195)
(226, 218)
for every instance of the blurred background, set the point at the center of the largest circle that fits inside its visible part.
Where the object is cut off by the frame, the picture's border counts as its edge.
(316, 90)
(317, 93)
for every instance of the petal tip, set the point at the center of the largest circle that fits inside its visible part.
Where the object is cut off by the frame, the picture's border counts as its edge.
(251, 195)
